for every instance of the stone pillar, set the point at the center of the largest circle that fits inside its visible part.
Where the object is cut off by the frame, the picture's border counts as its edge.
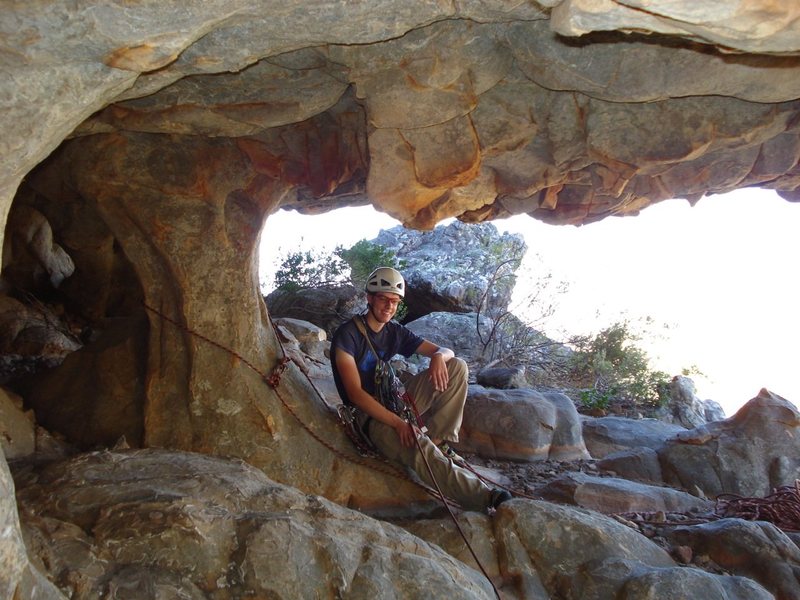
(188, 212)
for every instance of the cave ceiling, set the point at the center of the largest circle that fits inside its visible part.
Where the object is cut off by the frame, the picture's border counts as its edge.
(568, 111)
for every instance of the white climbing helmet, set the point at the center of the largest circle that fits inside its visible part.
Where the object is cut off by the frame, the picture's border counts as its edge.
(386, 279)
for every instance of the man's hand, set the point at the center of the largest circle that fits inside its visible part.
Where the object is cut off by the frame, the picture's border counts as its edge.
(406, 432)
(437, 372)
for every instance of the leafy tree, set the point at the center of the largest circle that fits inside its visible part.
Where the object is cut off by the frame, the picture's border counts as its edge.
(301, 270)
(610, 367)
(306, 269)
(364, 257)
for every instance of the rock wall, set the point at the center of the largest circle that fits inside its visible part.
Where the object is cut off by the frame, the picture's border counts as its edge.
(183, 126)
(472, 109)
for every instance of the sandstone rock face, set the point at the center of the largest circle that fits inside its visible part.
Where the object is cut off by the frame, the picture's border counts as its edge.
(761, 439)
(521, 424)
(19, 577)
(607, 435)
(189, 127)
(195, 526)
(479, 110)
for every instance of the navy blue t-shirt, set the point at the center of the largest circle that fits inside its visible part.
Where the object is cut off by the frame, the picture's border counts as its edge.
(393, 339)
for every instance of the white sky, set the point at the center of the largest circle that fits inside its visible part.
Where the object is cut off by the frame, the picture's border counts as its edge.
(719, 274)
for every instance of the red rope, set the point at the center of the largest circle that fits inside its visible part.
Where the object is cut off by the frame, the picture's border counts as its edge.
(273, 380)
(781, 508)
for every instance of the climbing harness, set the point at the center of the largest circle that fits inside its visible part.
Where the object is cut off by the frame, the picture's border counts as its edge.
(348, 415)
(347, 419)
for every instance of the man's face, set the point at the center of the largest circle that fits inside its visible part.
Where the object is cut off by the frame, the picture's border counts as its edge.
(383, 305)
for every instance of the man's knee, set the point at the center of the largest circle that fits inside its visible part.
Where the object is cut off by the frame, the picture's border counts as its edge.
(457, 367)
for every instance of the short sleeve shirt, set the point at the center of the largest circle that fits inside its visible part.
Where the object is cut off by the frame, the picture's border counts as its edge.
(390, 341)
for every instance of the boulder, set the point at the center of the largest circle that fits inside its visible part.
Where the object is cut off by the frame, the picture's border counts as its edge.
(606, 435)
(553, 551)
(503, 378)
(520, 424)
(614, 495)
(325, 307)
(687, 409)
(32, 260)
(195, 526)
(481, 280)
(762, 440)
(456, 331)
(753, 549)
(19, 576)
(480, 532)
(680, 582)
(637, 464)
(307, 346)
(713, 411)
(32, 338)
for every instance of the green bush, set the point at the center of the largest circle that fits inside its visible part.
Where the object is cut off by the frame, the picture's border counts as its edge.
(301, 270)
(364, 257)
(610, 367)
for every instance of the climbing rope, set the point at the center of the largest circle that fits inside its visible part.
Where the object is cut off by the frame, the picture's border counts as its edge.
(273, 381)
(781, 508)
(454, 519)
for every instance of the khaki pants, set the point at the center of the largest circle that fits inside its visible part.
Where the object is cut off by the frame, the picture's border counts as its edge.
(442, 413)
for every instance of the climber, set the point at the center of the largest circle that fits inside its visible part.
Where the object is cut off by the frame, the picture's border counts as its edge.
(438, 392)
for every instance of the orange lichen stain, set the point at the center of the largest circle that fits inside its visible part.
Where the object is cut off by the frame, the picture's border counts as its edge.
(550, 199)
(141, 58)
(162, 230)
(263, 161)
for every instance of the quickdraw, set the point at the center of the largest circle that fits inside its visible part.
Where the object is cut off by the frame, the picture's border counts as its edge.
(274, 379)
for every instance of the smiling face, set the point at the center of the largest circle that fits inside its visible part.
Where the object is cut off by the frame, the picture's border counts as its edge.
(382, 307)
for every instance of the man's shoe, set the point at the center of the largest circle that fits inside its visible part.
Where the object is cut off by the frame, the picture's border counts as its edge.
(448, 451)
(499, 496)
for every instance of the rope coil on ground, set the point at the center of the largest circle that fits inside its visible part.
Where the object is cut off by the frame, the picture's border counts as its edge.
(781, 508)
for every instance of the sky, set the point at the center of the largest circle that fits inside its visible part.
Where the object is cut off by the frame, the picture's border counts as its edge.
(716, 279)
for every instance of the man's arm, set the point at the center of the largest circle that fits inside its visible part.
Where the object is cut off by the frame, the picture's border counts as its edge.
(439, 356)
(348, 372)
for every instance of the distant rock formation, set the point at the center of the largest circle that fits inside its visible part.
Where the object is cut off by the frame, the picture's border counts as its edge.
(456, 268)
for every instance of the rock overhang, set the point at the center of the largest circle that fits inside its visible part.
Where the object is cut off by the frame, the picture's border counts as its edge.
(566, 111)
